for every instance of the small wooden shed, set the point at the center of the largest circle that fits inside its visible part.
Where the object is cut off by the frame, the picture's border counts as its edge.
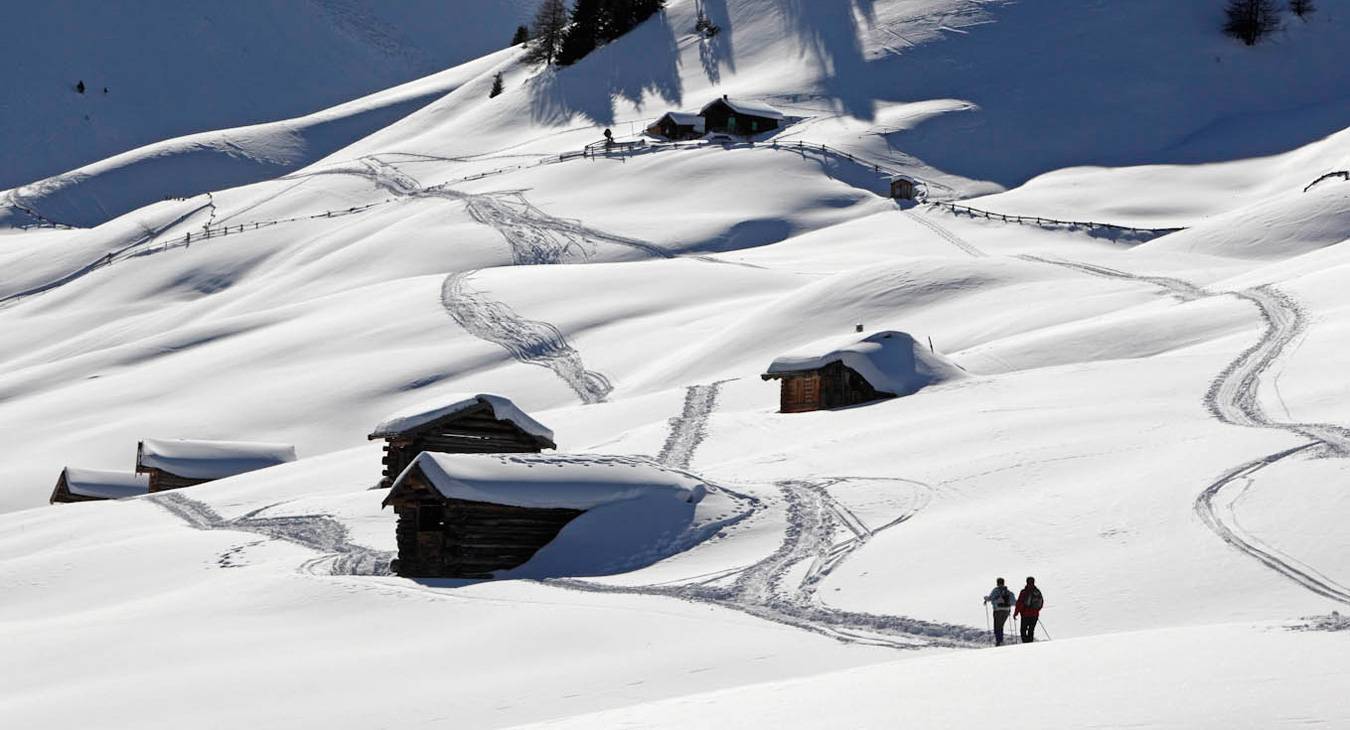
(178, 463)
(903, 187)
(839, 372)
(471, 515)
(678, 126)
(480, 423)
(734, 116)
(90, 485)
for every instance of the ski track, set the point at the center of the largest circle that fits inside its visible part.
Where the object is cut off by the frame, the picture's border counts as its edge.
(528, 341)
(320, 533)
(946, 235)
(1233, 398)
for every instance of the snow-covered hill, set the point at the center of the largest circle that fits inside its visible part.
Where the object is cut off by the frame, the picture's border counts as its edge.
(1154, 426)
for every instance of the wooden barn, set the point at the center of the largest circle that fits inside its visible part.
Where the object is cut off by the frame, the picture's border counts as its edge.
(178, 463)
(470, 515)
(469, 424)
(903, 187)
(90, 485)
(746, 118)
(840, 372)
(678, 126)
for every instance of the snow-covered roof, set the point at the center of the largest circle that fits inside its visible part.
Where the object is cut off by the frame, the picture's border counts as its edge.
(195, 459)
(692, 119)
(752, 108)
(103, 484)
(893, 362)
(427, 412)
(568, 481)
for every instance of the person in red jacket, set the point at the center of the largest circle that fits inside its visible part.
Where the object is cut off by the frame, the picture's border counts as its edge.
(1029, 605)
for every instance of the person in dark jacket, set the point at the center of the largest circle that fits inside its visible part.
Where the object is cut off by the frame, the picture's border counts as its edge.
(1029, 605)
(1002, 599)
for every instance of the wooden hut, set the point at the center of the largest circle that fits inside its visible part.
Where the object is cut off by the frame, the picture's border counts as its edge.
(840, 372)
(481, 423)
(903, 187)
(90, 485)
(734, 116)
(470, 515)
(178, 463)
(678, 126)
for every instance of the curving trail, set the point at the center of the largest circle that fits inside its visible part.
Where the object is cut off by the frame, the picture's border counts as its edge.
(688, 429)
(1183, 290)
(321, 533)
(528, 341)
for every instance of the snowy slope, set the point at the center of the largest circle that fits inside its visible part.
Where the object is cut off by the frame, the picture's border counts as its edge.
(173, 68)
(1156, 428)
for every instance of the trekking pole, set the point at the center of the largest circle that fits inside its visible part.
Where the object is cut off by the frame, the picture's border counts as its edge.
(988, 622)
(1041, 624)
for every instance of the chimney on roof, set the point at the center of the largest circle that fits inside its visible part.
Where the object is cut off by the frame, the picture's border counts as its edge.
(857, 327)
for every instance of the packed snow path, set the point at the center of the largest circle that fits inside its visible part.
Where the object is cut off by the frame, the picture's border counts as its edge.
(688, 429)
(767, 590)
(320, 533)
(1183, 290)
(528, 341)
(945, 234)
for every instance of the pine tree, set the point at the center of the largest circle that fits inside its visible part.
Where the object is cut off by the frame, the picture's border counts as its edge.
(583, 35)
(1250, 20)
(550, 29)
(496, 86)
(1302, 8)
(522, 35)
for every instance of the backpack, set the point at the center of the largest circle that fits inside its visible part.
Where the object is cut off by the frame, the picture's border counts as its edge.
(1003, 598)
(1035, 600)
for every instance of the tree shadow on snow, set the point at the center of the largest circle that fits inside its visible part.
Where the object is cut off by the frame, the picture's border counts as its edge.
(588, 88)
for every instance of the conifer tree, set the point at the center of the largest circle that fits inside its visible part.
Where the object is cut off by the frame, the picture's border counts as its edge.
(496, 86)
(1302, 8)
(1250, 20)
(522, 35)
(550, 29)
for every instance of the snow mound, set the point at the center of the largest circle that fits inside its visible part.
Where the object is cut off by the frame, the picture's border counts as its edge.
(560, 481)
(210, 459)
(892, 361)
(104, 484)
(429, 411)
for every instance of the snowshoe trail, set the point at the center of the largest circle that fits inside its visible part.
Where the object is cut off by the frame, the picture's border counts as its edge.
(688, 429)
(528, 341)
(320, 533)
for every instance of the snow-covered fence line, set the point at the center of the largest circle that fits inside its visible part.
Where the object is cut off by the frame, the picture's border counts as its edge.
(42, 220)
(1043, 221)
(1343, 174)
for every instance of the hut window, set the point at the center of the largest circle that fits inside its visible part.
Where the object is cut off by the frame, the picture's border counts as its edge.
(429, 517)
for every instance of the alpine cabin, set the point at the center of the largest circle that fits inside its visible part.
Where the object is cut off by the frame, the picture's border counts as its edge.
(745, 118)
(840, 372)
(903, 187)
(178, 463)
(471, 515)
(91, 485)
(481, 423)
(676, 126)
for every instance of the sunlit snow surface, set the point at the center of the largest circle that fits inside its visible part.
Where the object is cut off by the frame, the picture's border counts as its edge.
(1157, 431)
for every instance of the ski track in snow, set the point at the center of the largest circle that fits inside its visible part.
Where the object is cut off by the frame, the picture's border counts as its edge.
(946, 235)
(320, 533)
(528, 341)
(1234, 398)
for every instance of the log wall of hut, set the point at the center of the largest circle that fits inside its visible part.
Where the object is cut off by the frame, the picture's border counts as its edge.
(722, 118)
(668, 128)
(834, 386)
(162, 481)
(475, 431)
(454, 538)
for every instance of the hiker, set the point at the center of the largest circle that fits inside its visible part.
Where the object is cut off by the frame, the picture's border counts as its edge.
(1029, 605)
(1002, 598)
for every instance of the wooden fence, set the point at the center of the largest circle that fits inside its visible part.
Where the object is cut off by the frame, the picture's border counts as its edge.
(1344, 174)
(1053, 222)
